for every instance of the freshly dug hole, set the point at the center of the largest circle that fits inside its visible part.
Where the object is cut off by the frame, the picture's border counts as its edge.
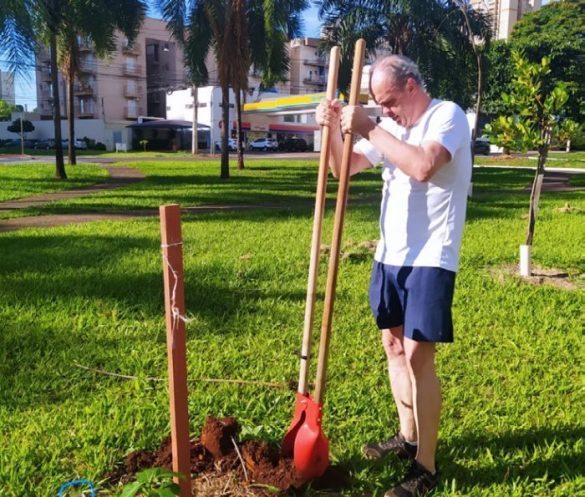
(259, 470)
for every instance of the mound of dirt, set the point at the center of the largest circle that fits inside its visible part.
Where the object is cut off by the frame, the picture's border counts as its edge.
(222, 465)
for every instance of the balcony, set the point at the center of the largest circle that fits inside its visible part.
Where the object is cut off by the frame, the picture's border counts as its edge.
(88, 67)
(317, 61)
(132, 91)
(85, 112)
(128, 49)
(132, 112)
(46, 74)
(315, 80)
(83, 91)
(132, 71)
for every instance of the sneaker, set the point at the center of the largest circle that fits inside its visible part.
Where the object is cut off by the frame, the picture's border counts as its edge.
(419, 481)
(397, 445)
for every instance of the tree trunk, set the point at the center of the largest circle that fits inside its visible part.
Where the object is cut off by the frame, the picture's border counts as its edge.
(478, 102)
(239, 129)
(537, 187)
(225, 158)
(59, 162)
(71, 117)
(194, 135)
(464, 10)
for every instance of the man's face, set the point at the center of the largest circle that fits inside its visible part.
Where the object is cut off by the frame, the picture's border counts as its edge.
(395, 101)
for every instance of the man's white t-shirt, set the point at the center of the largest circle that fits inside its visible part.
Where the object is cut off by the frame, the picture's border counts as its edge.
(421, 223)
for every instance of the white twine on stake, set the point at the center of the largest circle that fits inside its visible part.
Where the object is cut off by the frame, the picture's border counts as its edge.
(176, 315)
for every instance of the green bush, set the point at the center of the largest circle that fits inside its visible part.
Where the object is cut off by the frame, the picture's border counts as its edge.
(578, 142)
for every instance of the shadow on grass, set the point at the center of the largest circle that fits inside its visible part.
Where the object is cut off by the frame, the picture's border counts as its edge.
(561, 462)
(511, 458)
(64, 288)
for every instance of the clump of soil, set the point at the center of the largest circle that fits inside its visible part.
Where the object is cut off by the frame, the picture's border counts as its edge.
(222, 465)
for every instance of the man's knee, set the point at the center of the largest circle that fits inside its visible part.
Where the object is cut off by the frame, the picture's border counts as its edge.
(392, 340)
(420, 356)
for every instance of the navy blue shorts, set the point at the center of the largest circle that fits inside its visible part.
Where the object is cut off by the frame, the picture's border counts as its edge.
(418, 298)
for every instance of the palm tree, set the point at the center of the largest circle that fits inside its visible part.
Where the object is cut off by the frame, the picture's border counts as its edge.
(69, 64)
(201, 25)
(26, 24)
(431, 32)
(479, 33)
(236, 39)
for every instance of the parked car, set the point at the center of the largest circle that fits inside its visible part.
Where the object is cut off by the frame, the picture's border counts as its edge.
(11, 142)
(294, 145)
(263, 144)
(78, 144)
(232, 145)
(481, 145)
(46, 144)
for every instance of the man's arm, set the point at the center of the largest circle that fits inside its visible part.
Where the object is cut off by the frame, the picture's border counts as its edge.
(329, 113)
(420, 162)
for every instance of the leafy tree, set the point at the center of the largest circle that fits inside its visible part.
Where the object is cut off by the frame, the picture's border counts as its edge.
(437, 34)
(499, 76)
(200, 26)
(556, 31)
(6, 109)
(533, 107)
(15, 127)
(568, 130)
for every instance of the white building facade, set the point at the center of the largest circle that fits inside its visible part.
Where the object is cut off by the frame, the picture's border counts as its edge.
(7, 88)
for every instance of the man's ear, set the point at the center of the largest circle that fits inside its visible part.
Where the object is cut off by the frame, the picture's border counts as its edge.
(410, 84)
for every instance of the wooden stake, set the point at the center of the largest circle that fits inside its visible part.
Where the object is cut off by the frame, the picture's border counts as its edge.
(170, 229)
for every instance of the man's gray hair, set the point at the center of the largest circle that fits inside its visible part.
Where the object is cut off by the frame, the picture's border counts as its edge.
(398, 68)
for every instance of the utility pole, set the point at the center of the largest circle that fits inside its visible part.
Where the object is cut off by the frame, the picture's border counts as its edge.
(194, 137)
(21, 133)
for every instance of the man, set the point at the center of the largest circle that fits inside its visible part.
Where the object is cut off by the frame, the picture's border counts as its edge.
(424, 145)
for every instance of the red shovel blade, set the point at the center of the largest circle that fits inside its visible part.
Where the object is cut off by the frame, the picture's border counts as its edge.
(288, 442)
(311, 448)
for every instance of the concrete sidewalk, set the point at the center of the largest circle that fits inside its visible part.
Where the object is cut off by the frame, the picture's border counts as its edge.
(119, 177)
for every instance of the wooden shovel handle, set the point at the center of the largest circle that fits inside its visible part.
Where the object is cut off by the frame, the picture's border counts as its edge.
(342, 192)
(317, 226)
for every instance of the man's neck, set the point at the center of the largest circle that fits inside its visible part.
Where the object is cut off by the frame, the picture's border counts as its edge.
(421, 102)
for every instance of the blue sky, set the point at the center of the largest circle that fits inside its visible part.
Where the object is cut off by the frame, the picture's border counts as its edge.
(26, 91)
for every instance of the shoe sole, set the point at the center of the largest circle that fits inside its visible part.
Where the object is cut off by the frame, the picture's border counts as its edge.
(375, 457)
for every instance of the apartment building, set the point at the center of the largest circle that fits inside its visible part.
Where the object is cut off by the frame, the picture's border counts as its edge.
(308, 67)
(7, 88)
(505, 13)
(133, 82)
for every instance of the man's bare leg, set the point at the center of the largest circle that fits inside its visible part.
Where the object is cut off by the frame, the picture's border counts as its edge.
(400, 381)
(426, 394)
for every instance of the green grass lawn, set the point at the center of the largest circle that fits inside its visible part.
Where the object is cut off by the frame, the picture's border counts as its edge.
(555, 159)
(198, 183)
(25, 180)
(92, 294)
